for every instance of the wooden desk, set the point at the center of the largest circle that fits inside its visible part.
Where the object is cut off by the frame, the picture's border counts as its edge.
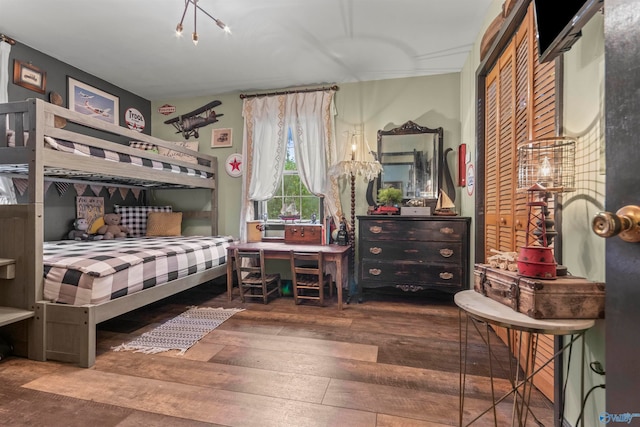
(280, 250)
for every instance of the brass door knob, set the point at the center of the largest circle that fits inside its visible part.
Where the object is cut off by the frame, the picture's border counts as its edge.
(624, 223)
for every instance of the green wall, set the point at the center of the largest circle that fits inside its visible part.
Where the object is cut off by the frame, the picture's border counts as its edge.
(432, 101)
(583, 251)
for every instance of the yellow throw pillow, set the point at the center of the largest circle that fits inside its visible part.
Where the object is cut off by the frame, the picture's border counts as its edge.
(93, 228)
(162, 224)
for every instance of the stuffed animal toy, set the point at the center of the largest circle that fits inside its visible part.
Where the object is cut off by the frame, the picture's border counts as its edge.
(112, 228)
(79, 232)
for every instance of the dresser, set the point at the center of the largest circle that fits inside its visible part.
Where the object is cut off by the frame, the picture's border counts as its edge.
(413, 253)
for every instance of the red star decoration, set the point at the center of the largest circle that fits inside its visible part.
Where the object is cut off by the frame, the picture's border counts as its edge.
(235, 165)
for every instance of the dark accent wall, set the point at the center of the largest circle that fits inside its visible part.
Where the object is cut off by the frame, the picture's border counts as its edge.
(60, 210)
(57, 73)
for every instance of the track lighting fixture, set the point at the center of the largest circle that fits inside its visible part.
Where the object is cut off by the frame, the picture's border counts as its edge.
(194, 35)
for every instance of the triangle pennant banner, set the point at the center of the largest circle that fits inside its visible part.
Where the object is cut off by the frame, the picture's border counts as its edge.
(123, 192)
(96, 189)
(111, 191)
(80, 188)
(62, 187)
(47, 184)
(21, 185)
(136, 192)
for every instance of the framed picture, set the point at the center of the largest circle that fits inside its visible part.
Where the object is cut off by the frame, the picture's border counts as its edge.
(85, 99)
(29, 77)
(221, 138)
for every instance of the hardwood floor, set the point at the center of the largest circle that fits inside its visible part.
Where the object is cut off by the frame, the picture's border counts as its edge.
(387, 362)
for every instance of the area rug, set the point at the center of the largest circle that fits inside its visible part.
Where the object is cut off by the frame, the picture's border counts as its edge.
(181, 332)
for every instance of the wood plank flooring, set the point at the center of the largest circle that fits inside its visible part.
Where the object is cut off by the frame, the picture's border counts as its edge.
(390, 361)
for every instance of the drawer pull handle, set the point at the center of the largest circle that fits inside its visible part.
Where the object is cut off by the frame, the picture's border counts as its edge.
(375, 250)
(375, 271)
(410, 251)
(446, 275)
(445, 252)
(375, 229)
(446, 230)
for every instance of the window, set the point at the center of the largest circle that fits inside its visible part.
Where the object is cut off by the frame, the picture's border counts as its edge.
(292, 200)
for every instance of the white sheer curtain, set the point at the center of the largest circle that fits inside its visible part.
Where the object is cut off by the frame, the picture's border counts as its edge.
(267, 120)
(7, 192)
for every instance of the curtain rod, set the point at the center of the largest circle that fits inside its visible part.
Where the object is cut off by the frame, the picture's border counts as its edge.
(287, 92)
(7, 39)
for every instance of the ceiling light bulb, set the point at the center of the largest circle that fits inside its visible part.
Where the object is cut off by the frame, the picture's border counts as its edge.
(179, 29)
(224, 26)
(194, 37)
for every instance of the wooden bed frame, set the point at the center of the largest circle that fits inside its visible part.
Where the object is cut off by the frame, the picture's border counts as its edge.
(39, 329)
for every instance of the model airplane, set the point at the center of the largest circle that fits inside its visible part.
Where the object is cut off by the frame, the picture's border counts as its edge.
(96, 110)
(188, 124)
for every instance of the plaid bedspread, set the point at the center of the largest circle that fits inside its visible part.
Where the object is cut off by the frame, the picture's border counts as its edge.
(87, 151)
(90, 272)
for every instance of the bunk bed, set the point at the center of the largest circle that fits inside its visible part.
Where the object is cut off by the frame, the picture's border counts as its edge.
(41, 327)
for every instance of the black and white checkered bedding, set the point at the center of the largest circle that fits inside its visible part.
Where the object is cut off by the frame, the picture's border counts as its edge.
(92, 272)
(85, 150)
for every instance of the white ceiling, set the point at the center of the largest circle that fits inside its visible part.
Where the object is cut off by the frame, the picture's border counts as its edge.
(274, 43)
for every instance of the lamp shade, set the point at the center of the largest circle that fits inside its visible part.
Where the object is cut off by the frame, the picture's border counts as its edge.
(362, 162)
(549, 162)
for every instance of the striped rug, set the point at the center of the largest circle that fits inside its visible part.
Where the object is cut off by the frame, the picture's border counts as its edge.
(181, 332)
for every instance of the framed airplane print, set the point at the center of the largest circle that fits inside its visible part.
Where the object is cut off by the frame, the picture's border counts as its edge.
(86, 99)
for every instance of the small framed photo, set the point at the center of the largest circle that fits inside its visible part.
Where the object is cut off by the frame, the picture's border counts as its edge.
(86, 99)
(29, 77)
(221, 138)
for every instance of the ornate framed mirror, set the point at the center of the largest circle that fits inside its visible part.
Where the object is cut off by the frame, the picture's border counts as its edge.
(411, 157)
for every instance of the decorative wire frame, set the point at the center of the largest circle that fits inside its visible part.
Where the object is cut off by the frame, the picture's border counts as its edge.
(549, 162)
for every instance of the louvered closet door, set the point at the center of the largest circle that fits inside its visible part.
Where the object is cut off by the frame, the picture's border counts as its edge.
(520, 105)
(524, 114)
(500, 155)
(492, 161)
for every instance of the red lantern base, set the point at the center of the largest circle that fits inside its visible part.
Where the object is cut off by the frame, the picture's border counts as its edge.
(537, 261)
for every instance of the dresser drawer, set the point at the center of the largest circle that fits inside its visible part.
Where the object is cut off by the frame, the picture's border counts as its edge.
(389, 273)
(436, 252)
(412, 230)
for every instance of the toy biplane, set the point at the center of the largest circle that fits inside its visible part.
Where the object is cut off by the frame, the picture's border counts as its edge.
(188, 124)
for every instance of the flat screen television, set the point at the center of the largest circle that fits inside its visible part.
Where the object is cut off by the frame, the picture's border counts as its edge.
(559, 24)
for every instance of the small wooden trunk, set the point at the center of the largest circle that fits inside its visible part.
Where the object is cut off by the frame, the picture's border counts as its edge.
(567, 297)
(303, 233)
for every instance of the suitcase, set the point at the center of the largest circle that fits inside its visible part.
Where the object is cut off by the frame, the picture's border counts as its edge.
(303, 233)
(566, 297)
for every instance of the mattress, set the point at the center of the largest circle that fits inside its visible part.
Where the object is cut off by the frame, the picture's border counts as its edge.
(94, 272)
(94, 152)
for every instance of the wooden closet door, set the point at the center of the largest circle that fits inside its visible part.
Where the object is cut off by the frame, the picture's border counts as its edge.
(520, 106)
(500, 154)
